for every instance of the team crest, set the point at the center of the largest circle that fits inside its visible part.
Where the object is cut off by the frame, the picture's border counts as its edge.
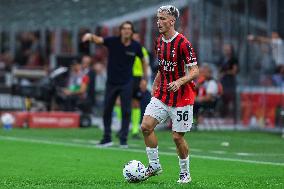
(173, 52)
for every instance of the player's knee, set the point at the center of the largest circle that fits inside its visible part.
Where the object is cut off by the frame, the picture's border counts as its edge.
(146, 128)
(177, 138)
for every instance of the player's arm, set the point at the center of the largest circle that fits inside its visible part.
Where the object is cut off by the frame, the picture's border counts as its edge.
(93, 38)
(156, 83)
(191, 74)
(192, 71)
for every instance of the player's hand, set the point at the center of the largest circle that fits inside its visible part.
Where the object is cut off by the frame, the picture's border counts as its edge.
(174, 86)
(87, 37)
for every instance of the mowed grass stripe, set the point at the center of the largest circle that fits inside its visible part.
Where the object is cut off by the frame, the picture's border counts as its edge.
(71, 144)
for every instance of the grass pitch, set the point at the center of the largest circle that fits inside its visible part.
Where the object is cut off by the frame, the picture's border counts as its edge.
(68, 158)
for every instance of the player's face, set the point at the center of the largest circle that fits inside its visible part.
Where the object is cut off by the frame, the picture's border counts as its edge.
(126, 31)
(164, 22)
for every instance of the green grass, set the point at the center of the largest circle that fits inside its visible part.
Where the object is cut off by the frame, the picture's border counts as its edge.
(68, 158)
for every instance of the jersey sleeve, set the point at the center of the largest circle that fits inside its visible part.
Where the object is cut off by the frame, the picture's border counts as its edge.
(188, 53)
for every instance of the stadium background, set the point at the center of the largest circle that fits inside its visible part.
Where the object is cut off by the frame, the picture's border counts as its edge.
(50, 30)
(56, 27)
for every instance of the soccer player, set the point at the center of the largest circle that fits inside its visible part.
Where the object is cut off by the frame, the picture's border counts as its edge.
(122, 51)
(173, 93)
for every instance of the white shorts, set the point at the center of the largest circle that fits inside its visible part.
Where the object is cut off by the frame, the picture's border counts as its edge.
(182, 117)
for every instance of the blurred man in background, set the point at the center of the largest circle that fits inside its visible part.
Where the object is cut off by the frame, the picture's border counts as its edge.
(122, 52)
(140, 92)
(76, 89)
(229, 67)
(208, 92)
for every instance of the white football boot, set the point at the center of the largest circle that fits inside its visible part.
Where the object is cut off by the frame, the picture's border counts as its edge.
(153, 169)
(184, 178)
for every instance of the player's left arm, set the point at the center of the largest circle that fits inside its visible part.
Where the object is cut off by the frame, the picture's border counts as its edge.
(191, 72)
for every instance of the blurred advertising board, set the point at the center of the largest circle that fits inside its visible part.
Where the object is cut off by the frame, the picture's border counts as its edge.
(46, 119)
(262, 107)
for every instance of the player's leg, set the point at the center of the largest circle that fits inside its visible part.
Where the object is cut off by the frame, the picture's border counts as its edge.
(182, 151)
(182, 118)
(148, 125)
(156, 112)
(125, 95)
(110, 97)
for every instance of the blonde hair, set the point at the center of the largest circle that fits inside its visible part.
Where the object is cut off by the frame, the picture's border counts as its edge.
(169, 9)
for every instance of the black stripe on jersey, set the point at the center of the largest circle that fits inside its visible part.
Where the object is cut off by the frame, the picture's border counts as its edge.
(185, 61)
(162, 68)
(172, 72)
(165, 49)
(179, 64)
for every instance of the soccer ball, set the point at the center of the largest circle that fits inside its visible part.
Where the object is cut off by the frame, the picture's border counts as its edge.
(134, 171)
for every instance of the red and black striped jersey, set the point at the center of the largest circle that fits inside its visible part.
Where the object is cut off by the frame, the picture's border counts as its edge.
(174, 55)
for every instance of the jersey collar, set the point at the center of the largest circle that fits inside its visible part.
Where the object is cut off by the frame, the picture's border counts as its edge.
(169, 40)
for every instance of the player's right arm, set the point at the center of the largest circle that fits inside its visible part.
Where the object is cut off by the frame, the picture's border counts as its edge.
(93, 38)
(156, 83)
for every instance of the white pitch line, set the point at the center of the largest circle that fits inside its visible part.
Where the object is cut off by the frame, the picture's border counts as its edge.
(134, 150)
(217, 152)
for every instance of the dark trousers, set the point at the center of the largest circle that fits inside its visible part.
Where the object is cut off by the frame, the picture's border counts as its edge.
(111, 94)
